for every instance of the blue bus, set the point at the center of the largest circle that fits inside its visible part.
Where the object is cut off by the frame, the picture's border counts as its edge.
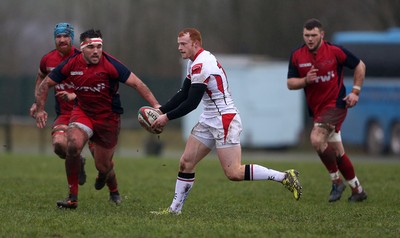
(375, 122)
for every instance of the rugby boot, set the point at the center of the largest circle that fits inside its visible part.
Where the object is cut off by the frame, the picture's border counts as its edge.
(71, 202)
(358, 197)
(115, 197)
(336, 192)
(292, 183)
(100, 181)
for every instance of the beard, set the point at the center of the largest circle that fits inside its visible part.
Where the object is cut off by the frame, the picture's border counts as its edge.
(64, 50)
(316, 47)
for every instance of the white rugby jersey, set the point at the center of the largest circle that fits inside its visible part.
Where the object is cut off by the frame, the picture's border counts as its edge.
(217, 99)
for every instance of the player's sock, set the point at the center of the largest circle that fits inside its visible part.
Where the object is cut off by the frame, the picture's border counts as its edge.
(184, 183)
(346, 167)
(112, 181)
(72, 166)
(328, 158)
(335, 177)
(355, 185)
(258, 172)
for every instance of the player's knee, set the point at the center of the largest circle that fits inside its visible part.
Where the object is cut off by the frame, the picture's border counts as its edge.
(103, 168)
(185, 164)
(317, 142)
(316, 145)
(182, 166)
(59, 142)
(73, 149)
(234, 175)
(59, 149)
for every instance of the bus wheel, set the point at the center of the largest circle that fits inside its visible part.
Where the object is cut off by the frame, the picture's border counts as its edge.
(395, 139)
(375, 139)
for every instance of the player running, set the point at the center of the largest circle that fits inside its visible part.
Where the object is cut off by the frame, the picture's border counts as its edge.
(219, 125)
(64, 93)
(95, 76)
(317, 67)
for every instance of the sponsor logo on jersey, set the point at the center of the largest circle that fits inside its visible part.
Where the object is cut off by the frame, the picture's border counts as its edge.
(76, 72)
(325, 78)
(97, 88)
(64, 86)
(305, 65)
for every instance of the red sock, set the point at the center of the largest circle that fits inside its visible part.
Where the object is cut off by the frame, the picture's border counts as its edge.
(73, 166)
(328, 158)
(346, 167)
(112, 179)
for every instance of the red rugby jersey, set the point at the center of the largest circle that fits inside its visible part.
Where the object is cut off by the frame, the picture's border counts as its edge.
(330, 60)
(48, 62)
(95, 85)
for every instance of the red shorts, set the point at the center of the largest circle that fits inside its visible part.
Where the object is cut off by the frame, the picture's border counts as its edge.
(332, 116)
(105, 127)
(62, 120)
(60, 124)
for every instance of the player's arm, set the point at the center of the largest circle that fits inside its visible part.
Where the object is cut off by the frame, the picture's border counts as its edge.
(195, 94)
(39, 79)
(353, 62)
(41, 96)
(134, 82)
(178, 98)
(359, 75)
(295, 82)
(66, 96)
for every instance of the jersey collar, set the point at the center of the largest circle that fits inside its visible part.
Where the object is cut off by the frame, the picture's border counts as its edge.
(197, 54)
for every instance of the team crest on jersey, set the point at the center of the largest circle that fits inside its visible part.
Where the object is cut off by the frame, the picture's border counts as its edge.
(196, 69)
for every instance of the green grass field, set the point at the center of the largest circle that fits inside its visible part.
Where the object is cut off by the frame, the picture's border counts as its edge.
(216, 207)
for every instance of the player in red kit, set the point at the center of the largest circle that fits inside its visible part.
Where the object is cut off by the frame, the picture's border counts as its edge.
(64, 95)
(95, 76)
(317, 67)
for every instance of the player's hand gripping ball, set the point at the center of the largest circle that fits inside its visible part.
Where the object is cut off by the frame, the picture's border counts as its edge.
(146, 116)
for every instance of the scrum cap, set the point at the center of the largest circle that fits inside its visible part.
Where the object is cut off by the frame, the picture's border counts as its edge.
(64, 28)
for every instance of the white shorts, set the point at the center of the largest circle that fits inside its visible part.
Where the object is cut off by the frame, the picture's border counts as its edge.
(220, 132)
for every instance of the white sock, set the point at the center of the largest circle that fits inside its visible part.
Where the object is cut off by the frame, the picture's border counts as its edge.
(258, 172)
(335, 176)
(184, 184)
(355, 184)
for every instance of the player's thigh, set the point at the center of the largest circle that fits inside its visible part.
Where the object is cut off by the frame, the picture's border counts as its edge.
(194, 151)
(77, 139)
(319, 134)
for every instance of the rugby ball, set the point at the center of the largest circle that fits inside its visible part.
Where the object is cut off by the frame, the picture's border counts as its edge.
(146, 116)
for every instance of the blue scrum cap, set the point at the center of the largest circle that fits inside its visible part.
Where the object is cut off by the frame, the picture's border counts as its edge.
(64, 28)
